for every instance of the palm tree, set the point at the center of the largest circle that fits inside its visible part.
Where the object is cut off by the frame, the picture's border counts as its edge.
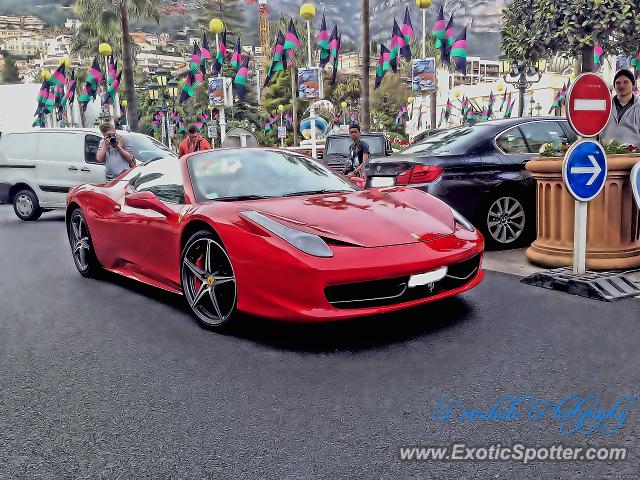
(122, 9)
(366, 54)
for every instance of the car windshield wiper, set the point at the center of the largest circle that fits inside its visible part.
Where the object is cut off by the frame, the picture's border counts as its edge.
(313, 192)
(239, 198)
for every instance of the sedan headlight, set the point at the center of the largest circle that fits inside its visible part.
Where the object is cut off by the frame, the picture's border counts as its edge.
(306, 242)
(463, 222)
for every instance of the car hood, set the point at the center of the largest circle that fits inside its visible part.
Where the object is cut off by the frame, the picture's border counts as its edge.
(369, 218)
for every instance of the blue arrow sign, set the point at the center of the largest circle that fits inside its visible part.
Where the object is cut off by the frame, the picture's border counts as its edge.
(584, 170)
(635, 182)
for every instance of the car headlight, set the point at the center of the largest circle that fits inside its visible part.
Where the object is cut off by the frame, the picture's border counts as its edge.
(306, 242)
(463, 222)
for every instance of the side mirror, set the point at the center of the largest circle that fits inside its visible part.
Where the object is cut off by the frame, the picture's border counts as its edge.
(358, 182)
(147, 201)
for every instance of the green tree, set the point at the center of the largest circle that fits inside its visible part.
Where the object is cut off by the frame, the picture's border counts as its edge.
(387, 100)
(533, 30)
(10, 70)
(122, 9)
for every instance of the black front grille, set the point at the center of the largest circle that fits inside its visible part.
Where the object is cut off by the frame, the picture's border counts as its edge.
(336, 164)
(392, 291)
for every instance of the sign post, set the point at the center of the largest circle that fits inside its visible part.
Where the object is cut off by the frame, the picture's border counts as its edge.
(584, 169)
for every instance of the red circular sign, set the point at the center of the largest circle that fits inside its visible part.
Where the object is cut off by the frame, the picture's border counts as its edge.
(589, 102)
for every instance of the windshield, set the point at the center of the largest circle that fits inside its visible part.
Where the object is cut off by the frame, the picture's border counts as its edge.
(342, 144)
(146, 149)
(452, 141)
(259, 173)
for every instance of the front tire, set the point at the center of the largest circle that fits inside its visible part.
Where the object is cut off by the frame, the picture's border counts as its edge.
(208, 281)
(82, 246)
(27, 206)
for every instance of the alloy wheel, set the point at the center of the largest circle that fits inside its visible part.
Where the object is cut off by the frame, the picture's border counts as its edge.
(209, 282)
(506, 220)
(24, 205)
(80, 244)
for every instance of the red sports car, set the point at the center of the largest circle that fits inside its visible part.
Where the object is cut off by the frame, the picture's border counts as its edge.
(272, 233)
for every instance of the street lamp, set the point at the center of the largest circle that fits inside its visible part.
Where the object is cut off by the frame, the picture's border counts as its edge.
(519, 73)
(153, 91)
(538, 108)
(532, 103)
(163, 90)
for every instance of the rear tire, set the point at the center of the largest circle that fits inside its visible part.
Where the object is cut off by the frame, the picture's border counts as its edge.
(81, 244)
(27, 206)
(506, 222)
(208, 281)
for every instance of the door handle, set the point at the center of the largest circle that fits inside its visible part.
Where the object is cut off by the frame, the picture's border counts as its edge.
(85, 170)
(73, 168)
(117, 207)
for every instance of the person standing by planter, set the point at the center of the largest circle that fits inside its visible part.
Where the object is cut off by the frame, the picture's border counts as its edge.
(624, 122)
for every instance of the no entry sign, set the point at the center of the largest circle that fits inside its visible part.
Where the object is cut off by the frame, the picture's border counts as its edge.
(589, 103)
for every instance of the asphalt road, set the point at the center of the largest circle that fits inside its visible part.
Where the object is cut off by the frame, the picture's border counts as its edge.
(108, 379)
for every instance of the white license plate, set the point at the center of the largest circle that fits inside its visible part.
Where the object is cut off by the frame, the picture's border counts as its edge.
(383, 181)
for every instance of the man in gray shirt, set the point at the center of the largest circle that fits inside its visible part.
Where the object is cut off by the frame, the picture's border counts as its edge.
(112, 150)
(624, 122)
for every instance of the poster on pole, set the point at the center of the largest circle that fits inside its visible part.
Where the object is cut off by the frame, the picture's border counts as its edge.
(282, 132)
(216, 92)
(212, 131)
(423, 75)
(310, 84)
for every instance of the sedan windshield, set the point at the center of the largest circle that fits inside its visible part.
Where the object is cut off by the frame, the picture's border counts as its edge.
(340, 145)
(147, 149)
(247, 174)
(452, 141)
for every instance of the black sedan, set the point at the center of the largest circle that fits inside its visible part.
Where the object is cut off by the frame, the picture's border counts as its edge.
(480, 171)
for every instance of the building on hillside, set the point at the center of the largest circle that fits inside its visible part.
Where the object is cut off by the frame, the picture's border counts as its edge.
(150, 62)
(72, 24)
(28, 23)
(23, 46)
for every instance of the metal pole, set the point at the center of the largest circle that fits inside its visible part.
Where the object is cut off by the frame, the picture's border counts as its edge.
(312, 112)
(522, 86)
(424, 33)
(223, 126)
(281, 125)
(309, 40)
(580, 239)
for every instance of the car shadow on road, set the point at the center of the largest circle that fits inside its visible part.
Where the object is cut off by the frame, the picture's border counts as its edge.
(359, 334)
(345, 335)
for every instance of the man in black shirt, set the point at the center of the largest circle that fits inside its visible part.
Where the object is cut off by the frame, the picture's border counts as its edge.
(358, 154)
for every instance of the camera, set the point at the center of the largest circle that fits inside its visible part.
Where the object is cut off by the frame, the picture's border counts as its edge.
(112, 139)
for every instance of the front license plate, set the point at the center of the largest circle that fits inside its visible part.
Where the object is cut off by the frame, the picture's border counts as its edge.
(383, 181)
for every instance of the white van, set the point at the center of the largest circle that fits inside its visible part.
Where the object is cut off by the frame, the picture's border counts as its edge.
(38, 167)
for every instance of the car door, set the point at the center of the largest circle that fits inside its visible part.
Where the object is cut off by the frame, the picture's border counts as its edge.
(92, 171)
(148, 239)
(59, 160)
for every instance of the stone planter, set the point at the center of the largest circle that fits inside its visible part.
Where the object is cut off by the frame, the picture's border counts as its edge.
(613, 225)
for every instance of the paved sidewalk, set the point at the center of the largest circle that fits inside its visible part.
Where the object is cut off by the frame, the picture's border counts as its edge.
(516, 263)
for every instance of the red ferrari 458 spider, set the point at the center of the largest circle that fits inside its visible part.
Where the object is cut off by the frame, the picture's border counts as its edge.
(274, 234)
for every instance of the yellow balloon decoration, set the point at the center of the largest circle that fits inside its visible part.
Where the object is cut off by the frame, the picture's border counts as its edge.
(216, 25)
(105, 49)
(45, 74)
(423, 3)
(308, 11)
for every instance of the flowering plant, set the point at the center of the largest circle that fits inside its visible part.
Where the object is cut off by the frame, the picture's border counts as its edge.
(553, 149)
(613, 147)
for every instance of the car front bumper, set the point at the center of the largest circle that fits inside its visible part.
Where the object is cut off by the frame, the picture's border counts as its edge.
(294, 289)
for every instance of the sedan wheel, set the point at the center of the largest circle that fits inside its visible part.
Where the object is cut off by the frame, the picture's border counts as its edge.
(506, 220)
(208, 281)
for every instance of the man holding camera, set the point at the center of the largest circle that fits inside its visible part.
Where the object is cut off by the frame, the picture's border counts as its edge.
(112, 150)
